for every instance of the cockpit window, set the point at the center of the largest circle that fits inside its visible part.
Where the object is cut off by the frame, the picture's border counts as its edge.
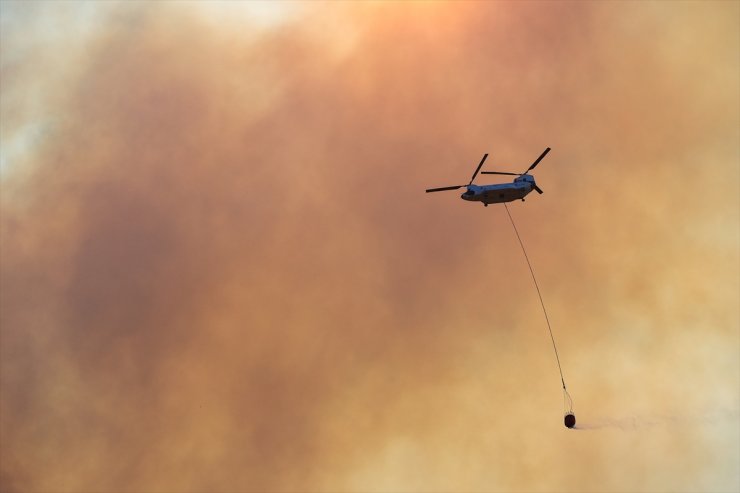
(469, 192)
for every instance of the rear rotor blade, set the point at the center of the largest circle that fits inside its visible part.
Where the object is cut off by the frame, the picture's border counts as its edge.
(442, 189)
(478, 168)
(538, 160)
(498, 173)
(537, 189)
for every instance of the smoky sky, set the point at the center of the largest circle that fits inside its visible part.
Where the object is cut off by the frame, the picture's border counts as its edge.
(220, 271)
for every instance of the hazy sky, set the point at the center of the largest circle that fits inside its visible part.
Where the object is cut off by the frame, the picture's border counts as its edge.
(220, 271)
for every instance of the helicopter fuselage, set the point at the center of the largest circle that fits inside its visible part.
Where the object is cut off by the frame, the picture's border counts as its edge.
(502, 192)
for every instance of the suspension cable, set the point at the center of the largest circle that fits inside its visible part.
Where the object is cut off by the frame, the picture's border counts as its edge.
(567, 401)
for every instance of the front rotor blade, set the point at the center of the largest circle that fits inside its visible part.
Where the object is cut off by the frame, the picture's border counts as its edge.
(442, 189)
(538, 160)
(478, 168)
(537, 189)
(498, 173)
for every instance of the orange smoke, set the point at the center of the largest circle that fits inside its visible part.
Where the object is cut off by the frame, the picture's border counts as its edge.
(220, 270)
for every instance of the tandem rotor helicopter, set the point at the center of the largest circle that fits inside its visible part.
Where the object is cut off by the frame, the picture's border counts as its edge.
(500, 192)
(506, 192)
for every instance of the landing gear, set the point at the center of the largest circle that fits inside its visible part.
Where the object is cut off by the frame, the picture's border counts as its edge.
(485, 205)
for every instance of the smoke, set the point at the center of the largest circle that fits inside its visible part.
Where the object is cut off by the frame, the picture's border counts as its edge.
(220, 271)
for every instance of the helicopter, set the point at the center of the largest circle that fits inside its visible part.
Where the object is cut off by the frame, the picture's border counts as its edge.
(500, 192)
